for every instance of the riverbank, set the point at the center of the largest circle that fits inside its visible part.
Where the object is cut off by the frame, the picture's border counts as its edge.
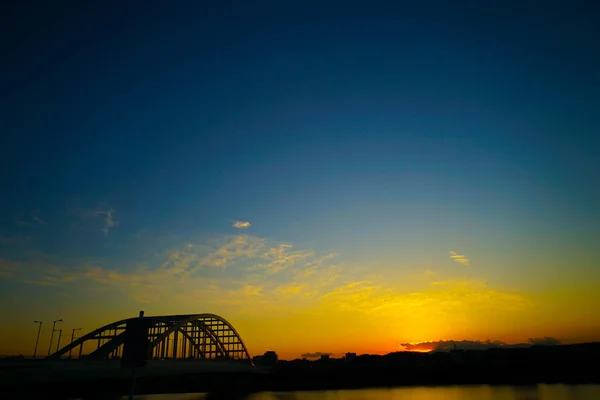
(311, 379)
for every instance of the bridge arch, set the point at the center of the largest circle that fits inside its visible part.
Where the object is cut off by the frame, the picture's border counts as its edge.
(196, 336)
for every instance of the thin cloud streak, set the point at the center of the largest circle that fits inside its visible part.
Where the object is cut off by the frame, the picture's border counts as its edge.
(33, 220)
(241, 224)
(35, 217)
(282, 257)
(459, 258)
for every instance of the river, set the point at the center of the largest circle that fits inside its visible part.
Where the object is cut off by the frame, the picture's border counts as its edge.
(475, 392)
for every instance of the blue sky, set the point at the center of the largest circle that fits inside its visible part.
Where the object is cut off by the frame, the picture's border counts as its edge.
(387, 135)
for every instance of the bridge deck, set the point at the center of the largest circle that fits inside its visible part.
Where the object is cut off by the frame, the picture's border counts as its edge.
(34, 372)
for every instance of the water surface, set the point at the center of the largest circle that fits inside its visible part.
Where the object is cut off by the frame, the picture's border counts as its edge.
(475, 392)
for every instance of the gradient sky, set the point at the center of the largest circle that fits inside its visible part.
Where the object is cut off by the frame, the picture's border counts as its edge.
(328, 176)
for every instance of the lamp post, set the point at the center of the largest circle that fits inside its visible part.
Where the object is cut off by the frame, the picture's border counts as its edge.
(72, 338)
(59, 336)
(38, 337)
(52, 335)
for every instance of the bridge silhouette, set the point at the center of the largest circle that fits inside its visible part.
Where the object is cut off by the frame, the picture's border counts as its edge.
(191, 336)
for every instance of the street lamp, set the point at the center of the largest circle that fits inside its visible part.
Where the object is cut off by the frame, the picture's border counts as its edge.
(38, 337)
(73, 337)
(52, 335)
(59, 336)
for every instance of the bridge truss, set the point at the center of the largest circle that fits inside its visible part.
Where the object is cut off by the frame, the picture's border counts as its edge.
(193, 336)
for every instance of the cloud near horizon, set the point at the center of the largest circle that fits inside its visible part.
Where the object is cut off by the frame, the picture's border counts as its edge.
(447, 345)
(317, 354)
(241, 224)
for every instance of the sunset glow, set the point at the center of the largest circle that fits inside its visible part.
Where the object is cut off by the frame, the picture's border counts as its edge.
(371, 186)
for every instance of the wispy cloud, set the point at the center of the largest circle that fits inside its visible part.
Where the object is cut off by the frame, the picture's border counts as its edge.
(235, 248)
(108, 219)
(241, 224)
(7, 268)
(192, 257)
(17, 240)
(437, 300)
(35, 217)
(247, 264)
(282, 257)
(143, 285)
(32, 220)
(99, 218)
(459, 258)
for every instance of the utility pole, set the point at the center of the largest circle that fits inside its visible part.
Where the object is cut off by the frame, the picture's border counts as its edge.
(72, 338)
(52, 335)
(38, 337)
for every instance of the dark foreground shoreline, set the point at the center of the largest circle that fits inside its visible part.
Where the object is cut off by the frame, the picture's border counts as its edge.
(233, 385)
(566, 364)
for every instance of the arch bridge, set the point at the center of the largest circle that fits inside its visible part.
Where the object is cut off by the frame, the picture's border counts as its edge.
(192, 336)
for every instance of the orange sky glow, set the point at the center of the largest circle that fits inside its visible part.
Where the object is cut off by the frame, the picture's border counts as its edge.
(295, 301)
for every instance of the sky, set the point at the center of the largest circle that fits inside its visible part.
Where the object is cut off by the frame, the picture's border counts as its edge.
(328, 176)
